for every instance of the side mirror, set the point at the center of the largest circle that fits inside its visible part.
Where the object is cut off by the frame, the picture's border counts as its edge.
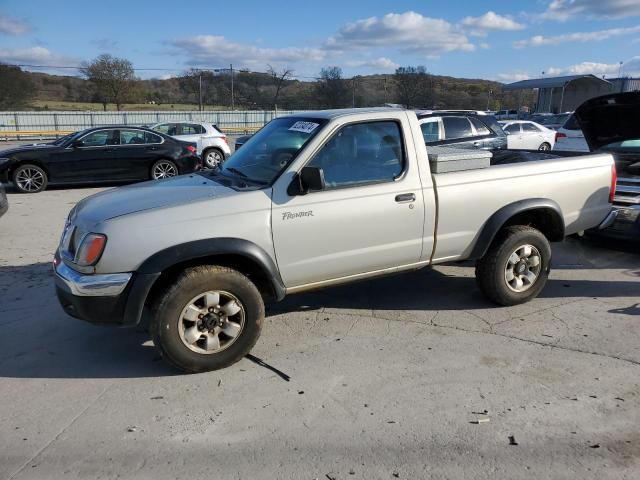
(309, 179)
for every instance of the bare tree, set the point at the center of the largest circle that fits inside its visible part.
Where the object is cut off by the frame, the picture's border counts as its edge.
(114, 79)
(413, 86)
(331, 90)
(279, 78)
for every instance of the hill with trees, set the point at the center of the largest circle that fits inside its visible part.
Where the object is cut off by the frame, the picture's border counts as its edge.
(109, 82)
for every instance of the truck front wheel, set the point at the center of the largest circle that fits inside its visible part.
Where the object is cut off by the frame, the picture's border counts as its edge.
(516, 267)
(208, 319)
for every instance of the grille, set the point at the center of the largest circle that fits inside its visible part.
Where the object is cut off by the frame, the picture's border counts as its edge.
(627, 192)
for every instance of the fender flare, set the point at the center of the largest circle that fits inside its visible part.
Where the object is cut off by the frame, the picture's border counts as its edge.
(496, 221)
(175, 254)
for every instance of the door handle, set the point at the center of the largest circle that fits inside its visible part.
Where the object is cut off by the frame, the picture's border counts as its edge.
(406, 198)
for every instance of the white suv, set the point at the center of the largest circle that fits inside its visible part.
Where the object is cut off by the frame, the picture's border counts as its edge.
(211, 142)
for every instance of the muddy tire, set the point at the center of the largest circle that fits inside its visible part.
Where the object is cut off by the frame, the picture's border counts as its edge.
(208, 318)
(516, 267)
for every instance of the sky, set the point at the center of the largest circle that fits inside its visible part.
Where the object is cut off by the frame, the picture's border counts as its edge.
(490, 39)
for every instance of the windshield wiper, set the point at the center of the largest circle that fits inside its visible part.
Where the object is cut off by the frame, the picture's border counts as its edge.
(235, 170)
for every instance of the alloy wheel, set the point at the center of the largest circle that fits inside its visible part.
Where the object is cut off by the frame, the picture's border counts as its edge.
(164, 170)
(30, 179)
(522, 268)
(213, 159)
(211, 322)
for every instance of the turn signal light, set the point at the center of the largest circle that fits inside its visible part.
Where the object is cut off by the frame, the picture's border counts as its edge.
(90, 249)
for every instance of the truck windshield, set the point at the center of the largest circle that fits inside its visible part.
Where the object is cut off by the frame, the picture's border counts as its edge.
(266, 154)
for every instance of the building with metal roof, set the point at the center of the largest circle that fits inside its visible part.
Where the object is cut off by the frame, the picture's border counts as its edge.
(563, 94)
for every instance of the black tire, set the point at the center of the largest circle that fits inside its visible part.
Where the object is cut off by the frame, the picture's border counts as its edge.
(218, 162)
(165, 163)
(544, 147)
(38, 176)
(170, 304)
(490, 269)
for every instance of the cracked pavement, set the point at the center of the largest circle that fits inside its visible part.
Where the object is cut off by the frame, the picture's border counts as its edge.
(388, 378)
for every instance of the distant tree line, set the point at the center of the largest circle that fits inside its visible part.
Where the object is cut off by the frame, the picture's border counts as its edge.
(111, 80)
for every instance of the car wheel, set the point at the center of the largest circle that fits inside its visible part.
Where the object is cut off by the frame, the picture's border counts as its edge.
(544, 147)
(30, 179)
(163, 169)
(208, 319)
(213, 158)
(516, 267)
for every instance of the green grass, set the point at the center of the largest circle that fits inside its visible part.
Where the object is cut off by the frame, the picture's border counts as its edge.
(97, 107)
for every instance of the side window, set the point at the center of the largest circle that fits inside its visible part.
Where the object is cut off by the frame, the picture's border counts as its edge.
(513, 128)
(152, 138)
(96, 139)
(456, 127)
(480, 127)
(431, 130)
(164, 128)
(131, 137)
(189, 129)
(530, 128)
(362, 153)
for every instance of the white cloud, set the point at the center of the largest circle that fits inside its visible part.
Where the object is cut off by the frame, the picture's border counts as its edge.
(597, 36)
(562, 10)
(490, 21)
(408, 32)
(381, 63)
(485, 46)
(217, 51)
(39, 56)
(12, 26)
(630, 67)
(512, 77)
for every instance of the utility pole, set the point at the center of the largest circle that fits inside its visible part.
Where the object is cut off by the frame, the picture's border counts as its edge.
(489, 99)
(620, 70)
(385, 89)
(353, 94)
(200, 91)
(232, 100)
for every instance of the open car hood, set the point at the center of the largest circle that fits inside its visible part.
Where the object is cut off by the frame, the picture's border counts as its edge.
(609, 119)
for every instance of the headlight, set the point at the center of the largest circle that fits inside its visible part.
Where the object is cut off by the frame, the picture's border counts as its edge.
(90, 249)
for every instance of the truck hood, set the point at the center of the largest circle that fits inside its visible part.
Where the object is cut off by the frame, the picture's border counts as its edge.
(610, 119)
(150, 195)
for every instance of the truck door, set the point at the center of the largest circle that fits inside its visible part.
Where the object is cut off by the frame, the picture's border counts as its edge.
(369, 217)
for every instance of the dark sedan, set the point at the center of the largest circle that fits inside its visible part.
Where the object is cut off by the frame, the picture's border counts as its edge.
(98, 155)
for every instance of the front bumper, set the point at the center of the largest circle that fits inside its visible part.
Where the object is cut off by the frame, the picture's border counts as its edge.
(116, 298)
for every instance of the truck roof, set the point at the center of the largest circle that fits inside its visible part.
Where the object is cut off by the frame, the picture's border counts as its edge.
(330, 114)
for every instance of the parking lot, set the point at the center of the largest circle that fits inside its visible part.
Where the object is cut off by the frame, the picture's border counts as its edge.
(403, 377)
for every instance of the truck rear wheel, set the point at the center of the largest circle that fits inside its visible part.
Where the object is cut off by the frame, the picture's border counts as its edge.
(516, 267)
(208, 319)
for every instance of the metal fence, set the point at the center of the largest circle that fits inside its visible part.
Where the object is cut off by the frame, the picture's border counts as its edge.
(51, 124)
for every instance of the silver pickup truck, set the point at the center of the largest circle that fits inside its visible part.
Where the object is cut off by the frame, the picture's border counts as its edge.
(314, 200)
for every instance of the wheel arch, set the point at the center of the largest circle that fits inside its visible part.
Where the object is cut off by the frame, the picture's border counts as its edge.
(543, 214)
(19, 163)
(241, 255)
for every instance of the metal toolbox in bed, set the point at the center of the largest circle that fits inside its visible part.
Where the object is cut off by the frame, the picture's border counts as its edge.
(451, 159)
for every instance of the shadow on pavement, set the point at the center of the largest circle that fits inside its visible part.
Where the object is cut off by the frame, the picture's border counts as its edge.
(38, 340)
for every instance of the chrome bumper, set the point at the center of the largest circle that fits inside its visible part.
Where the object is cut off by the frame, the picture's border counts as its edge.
(98, 285)
(613, 214)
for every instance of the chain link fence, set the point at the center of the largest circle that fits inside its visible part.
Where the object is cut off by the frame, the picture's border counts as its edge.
(25, 125)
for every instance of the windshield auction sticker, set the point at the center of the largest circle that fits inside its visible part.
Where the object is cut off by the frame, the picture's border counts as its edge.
(304, 127)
